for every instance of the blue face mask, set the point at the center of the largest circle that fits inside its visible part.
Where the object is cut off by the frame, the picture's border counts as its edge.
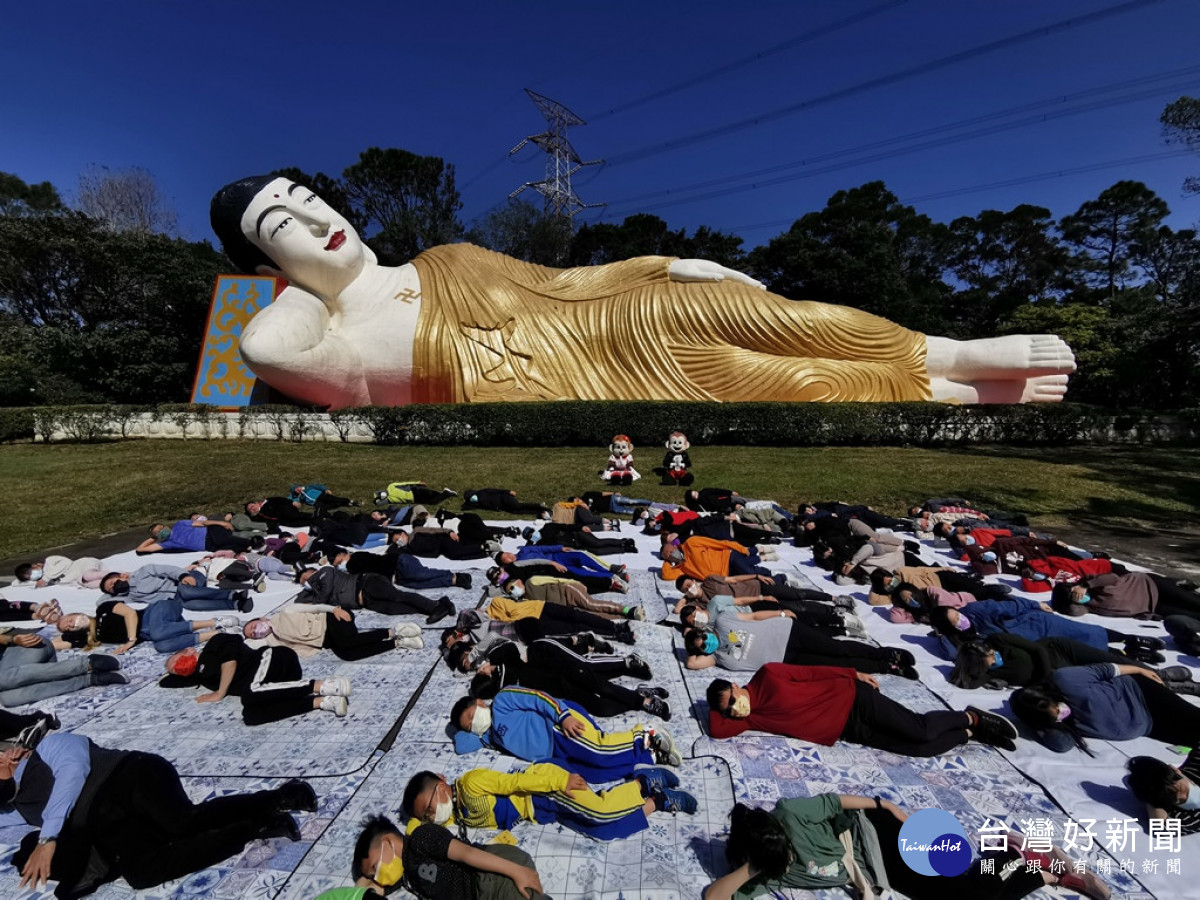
(1085, 599)
(1037, 576)
(988, 556)
(968, 540)
(999, 660)
(1193, 797)
(711, 643)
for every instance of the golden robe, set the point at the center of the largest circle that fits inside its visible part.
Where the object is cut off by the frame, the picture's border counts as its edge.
(495, 328)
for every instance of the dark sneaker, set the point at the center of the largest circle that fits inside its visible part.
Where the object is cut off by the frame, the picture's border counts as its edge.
(103, 662)
(280, 825)
(657, 707)
(1175, 673)
(463, 579)
(656, 779)
(905, 672)
(242, 601)
(637, 613)
(901, 657)
(445, 608)
(512, 531)
(602, 648)
(31, 735)
(623, 633)
(441, 517)
(638, 667)
(1140, 642)
(650, 690)
(847, 603)
(993, 729)
(676, 802)
(104, 679)
(295, 796)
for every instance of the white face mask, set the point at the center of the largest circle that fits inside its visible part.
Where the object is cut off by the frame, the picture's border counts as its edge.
(444, 810)
(481, 721)
(517, 591)
(741, 707)
(1193, 797)
(35, 575)
(700, 619)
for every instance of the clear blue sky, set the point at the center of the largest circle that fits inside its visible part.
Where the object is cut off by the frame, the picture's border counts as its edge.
(203, 92)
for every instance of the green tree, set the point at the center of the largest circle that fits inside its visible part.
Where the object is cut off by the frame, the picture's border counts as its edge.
(410, 201)
(648, 235)
(1181, 125)
(18, 198)
(1108, 231)
(1004, 260)
(864, 249)
(521, 230)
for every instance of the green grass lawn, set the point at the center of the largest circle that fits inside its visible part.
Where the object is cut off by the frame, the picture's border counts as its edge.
(63, 493)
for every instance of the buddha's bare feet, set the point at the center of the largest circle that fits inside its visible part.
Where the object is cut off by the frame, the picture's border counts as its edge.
(1016, 357)
(1039, 389)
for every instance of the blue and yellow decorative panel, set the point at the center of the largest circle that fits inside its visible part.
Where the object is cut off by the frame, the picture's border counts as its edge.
(223, 378)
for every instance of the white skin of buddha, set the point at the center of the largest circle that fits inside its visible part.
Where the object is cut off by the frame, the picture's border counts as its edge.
(341, 333)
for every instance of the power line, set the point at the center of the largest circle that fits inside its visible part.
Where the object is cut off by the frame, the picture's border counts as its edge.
(744, 61)
(937, 143)
(1053, 102)
(881, 81)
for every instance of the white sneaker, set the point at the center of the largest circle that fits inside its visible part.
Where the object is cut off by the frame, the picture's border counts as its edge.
(406, 629)
(227, 622)
(260, 583)
(410, 643)
(335, 686)
(339, 706)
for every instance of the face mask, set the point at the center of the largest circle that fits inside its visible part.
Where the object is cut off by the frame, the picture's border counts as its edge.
(517, 591)
(988, 556)
(1037, 576)
(694, 591)
(1085, 599)
(1193, 797)
(390, 872)
(259, 629)
(741, 707)
(342, 567)
(481, 721)
(120, 588)
(894, 583)
(711, 643)
(1064, 712)
(675, 555)
(968, 540)
(963, 623)
(700, 619)
(999, 660)
(163, 534)
(35, 575)
(502, 577)
(443, 811)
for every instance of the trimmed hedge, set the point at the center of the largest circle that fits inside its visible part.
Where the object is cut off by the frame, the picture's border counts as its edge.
(647, 423)
(766, 424)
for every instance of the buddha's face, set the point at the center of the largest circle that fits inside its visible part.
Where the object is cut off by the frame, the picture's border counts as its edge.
(312, 245)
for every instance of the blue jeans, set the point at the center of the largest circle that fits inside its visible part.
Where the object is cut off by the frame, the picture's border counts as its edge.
(32, 674)
(163, 625)
(200, 597)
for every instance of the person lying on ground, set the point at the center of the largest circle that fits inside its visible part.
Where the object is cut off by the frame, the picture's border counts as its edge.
(405, 569)
(431, 543)
(101, 814)
(825, 704)
(154, 583)
(1141, 595)
(60, 571)
(334, 587)
(309, 627)
(1168, 792)
(31, 672)
(1109, 702)
(559, 619)
(1011, 660)
(699, 557)
(1034, 621)
(537, 727)
(741, 645)
(595, 573)
(278, 512)
(913, 604)
(578, 536)
(410, 492)
(544, 794)
(193, 536)
(568, 592)
(758, 592)
(268, 680)
(162, 624)
(797, 845)
(1007, 554)
(884, 582)
(554, 666)
(434, 865)
(318, 498)
(872, 517)
(1039, 575)
(501, 500)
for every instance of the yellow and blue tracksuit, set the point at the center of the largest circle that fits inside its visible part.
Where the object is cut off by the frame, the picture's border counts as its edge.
(484, 798)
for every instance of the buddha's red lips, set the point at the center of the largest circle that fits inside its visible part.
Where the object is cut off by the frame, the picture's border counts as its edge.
(336, 240)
